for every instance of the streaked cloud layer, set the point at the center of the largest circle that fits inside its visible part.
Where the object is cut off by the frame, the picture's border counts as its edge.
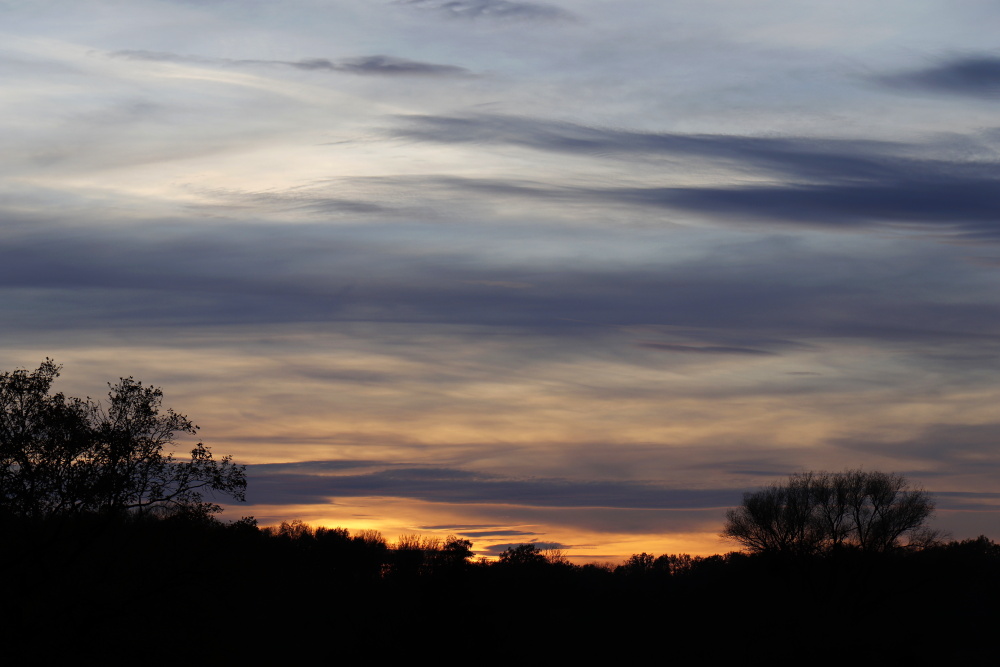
(572, 273)
(976, 75)
(362, 65)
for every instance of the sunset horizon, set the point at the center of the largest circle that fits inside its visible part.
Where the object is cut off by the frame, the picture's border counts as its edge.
(576, 274)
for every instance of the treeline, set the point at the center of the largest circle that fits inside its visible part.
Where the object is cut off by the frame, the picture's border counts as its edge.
(92, 577)
(124, 546)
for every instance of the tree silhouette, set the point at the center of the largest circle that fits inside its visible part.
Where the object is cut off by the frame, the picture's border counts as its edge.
(824, 512)
(523, 555)
(63, 456)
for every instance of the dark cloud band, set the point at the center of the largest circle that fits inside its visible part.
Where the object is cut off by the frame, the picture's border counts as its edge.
(969, 76)
(828, 183)
(753, 299)
(446, 485)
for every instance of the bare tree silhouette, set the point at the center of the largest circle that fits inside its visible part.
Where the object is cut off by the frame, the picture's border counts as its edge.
(823, 512)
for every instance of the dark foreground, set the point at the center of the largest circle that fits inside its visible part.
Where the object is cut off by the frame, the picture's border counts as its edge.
(196, 591)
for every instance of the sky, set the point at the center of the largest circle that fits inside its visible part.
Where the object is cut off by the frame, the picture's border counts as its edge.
(571, 273)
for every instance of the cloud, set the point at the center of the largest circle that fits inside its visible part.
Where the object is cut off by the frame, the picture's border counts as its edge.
(969, 449)
(954, 205)
(315, 467)
(703, 349)
(163, 57)
(969, 76)
(494, 9)
(366, 65)
(967, 500)
(739, 300)
(820, 182)
(457, 526)
(496, 533)
(803, 157)
(501, 283)
(958, 202)
(294, 200)
(448, 485)
(388, 65)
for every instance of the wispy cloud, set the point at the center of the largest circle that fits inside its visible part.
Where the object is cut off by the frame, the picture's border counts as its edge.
(365, 65)
(495, 9)
(447, 485)
(821, 182)
(951, 204)
(969, 76)
(703, 349)
(803, 157)
(497, 533)
(969, 449)
(736, 298)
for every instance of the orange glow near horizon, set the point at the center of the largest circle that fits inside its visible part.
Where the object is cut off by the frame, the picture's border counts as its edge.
(394, 517)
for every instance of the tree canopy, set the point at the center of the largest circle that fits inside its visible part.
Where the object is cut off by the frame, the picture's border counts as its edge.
(823, 512)
(61, 455)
